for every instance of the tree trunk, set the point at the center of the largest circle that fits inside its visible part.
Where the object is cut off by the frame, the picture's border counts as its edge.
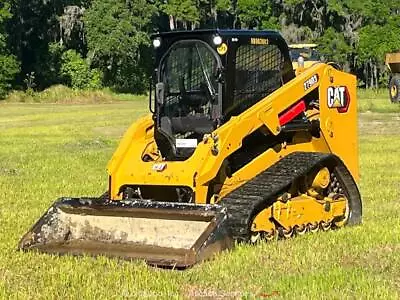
(171, 23)
(376, 75)
(372, 77)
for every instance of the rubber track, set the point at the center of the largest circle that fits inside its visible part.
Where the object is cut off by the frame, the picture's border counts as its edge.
(243, 203)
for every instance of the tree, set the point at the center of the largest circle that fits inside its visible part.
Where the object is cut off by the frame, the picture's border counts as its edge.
(9, 66)
(182, 14)
(77, 73)
(113, 35)
(333, 47)
(118, 41)
(375, 42)
(256, 14)
(72, 28)
(34, 26)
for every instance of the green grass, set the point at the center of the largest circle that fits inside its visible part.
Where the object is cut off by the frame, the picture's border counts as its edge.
(369, 100)
(65, 95)
(51, 150)
(376, 101)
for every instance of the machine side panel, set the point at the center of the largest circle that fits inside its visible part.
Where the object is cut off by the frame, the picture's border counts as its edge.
(339, 122)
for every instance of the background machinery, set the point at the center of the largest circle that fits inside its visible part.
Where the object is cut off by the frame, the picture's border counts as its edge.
(308, 52)
(236, 148)
(393, 63)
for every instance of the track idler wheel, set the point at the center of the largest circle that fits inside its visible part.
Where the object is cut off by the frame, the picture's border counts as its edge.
(264, 236)
(314, 227)
(271, 235)
(287, 233)
(300, 229)
(326, 226)
(255, 237)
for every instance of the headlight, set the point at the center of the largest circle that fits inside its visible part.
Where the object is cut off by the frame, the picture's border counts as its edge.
(217, 40)
(157, 42)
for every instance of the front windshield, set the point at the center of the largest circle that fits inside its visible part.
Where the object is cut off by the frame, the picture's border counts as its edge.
(189, 73)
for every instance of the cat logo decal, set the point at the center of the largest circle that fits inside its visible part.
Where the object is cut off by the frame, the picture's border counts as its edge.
(338, 97)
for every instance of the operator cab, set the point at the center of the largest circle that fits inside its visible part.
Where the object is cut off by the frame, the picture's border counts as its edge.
(204, 77)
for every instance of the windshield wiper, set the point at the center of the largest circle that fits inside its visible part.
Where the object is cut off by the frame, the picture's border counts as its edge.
(209, 85)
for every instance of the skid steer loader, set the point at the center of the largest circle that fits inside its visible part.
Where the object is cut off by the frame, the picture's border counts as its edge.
(236, 149)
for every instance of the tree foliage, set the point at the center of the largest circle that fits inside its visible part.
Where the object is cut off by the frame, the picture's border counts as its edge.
(88, 43)
(9, 66)
(117, 36)
(256, 14)
(77, 72)
(182, 13)
(334, 47)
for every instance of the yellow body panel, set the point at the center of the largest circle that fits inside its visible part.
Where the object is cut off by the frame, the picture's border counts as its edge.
(301, 210)
(392, 61)
(307, 64)
(392, 58)
(339, 136)
(340, 129)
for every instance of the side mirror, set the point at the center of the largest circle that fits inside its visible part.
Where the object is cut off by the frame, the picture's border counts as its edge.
(160, 92)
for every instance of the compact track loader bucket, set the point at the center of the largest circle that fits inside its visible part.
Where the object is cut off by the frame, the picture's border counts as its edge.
(163, 234)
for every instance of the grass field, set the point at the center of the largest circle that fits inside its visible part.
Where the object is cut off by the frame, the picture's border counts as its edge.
(376, 101)
(52, 150)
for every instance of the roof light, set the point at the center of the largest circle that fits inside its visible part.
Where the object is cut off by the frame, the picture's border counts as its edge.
(157, 42)
(217, 40)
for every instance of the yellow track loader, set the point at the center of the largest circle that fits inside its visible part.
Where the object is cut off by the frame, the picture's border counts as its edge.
(393, 64)
(236, 148)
